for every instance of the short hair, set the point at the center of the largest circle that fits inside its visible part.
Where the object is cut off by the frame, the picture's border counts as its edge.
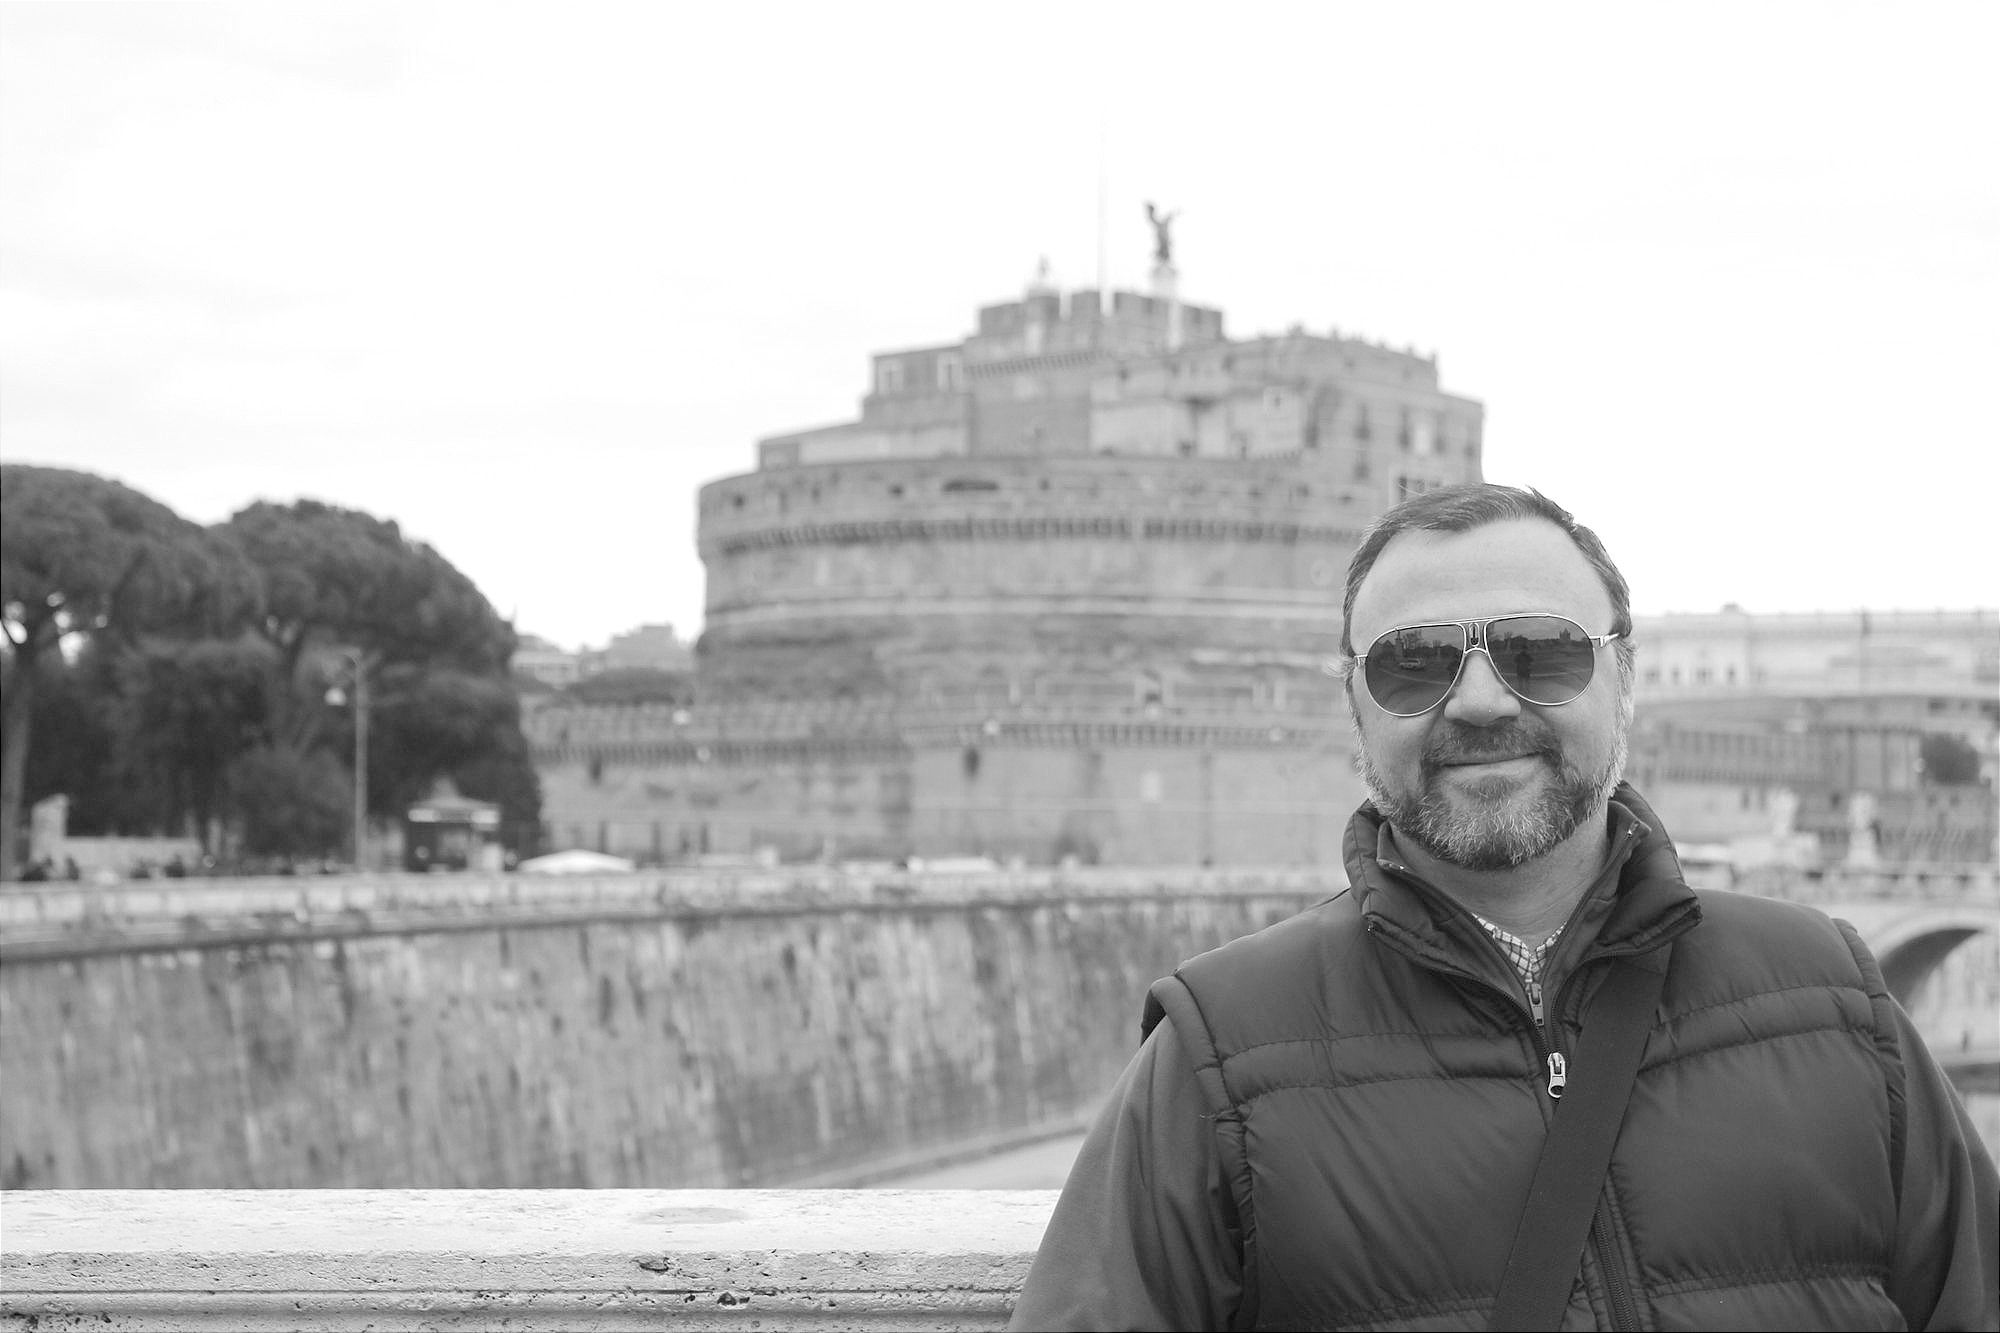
(1474, 505)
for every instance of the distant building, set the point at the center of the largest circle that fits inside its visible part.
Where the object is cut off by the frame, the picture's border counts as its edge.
(1064, 590)
(538, 659)
(1820, 722)
(649, 647)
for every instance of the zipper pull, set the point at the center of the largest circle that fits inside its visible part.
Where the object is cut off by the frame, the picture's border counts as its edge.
(1535, 1007)
(1558, 1074)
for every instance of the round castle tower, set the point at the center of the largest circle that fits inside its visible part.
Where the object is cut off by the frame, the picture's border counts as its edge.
(1065, 589)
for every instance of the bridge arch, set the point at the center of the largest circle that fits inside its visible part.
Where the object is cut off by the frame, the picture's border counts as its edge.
(1911, 940)
(1908, 964)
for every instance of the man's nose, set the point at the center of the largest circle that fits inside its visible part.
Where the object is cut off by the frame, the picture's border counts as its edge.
(1479, 699)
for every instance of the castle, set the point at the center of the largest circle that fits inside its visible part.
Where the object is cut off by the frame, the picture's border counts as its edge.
(1064, 591)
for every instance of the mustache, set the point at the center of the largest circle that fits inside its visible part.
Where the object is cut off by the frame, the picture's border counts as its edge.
(1457, 743)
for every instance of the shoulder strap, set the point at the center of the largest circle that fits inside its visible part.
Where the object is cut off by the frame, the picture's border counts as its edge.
(1569, 1175)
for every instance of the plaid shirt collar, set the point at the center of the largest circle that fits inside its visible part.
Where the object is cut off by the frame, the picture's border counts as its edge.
(1526, 958)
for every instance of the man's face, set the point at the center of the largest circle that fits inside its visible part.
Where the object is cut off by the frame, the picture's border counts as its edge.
(1487, 780)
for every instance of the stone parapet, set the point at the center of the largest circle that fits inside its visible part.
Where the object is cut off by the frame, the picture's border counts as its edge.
(527, 1260)
(59, 919)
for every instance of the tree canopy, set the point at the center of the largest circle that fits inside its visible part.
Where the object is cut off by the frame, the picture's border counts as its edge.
(84, 554)
(199, 690)
(335, 575)
(1948, 760)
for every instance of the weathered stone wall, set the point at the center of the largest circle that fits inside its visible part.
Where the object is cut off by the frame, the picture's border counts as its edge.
(823, 536)
(667, 1030)
(660, 1030)
(1162, 793)
(1144, 770)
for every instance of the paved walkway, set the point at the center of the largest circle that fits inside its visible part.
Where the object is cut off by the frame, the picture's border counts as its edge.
(1039, 1166)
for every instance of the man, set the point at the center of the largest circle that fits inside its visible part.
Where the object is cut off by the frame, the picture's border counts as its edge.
(1334, 1123)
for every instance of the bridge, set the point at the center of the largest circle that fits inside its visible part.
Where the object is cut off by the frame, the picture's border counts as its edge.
(964, 1000)
(1916, 919)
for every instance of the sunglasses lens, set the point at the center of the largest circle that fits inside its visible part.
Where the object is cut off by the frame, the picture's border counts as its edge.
(1544, 659)
(1410, 670)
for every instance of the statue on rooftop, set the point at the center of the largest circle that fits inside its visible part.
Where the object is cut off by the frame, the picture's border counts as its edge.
(1163, 240)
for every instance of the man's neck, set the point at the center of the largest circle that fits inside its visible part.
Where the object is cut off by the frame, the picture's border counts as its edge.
(1532, 900)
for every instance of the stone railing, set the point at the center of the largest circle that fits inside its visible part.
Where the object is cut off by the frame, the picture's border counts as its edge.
(523, 1260)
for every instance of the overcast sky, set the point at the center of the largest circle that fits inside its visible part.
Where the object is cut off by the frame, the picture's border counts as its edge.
(522, 277)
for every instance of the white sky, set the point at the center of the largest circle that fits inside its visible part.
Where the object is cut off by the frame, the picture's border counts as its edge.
(522, 277)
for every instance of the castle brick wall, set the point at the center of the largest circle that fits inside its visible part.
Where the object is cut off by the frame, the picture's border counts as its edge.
(1237, 772)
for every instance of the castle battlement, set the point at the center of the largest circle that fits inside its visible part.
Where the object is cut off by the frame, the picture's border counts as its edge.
(1150, 375)
(1063, 589)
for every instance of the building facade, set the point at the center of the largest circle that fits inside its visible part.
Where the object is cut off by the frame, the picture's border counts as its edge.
(1831, 727)
(1063, 590)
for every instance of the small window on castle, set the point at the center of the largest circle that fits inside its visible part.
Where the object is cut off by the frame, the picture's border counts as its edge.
(1362, 428)
(950, 372)
(971, 484)
(1403, 436)
(888, 376)
(970, 762)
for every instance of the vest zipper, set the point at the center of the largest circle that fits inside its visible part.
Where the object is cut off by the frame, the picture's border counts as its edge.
(1617, 1287)
(1558, 1075)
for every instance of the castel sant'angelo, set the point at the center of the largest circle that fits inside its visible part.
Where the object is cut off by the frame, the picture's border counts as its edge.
(1064, 590)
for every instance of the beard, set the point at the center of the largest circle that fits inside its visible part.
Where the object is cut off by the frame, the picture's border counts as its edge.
(1492, 825)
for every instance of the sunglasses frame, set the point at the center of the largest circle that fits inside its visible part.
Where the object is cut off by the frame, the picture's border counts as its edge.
(1475, 642)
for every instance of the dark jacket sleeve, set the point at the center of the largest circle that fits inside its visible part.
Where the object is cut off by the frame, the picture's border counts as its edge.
(1137, 1240)
(1947, 1268)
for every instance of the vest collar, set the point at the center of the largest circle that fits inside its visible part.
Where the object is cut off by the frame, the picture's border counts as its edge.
(1638, 902)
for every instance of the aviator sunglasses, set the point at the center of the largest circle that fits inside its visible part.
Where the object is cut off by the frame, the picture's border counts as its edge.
(1544, 658)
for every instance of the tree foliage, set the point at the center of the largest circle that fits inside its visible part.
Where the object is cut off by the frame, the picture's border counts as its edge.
(1948, 760)
(436, 654)
(81, 554)
(200, 690)
(74, 743)
(183, 713)
(434, 723)
(335, 575)
(290, 803)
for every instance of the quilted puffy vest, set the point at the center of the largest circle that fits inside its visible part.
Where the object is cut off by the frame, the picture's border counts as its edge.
(1380, 1094)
